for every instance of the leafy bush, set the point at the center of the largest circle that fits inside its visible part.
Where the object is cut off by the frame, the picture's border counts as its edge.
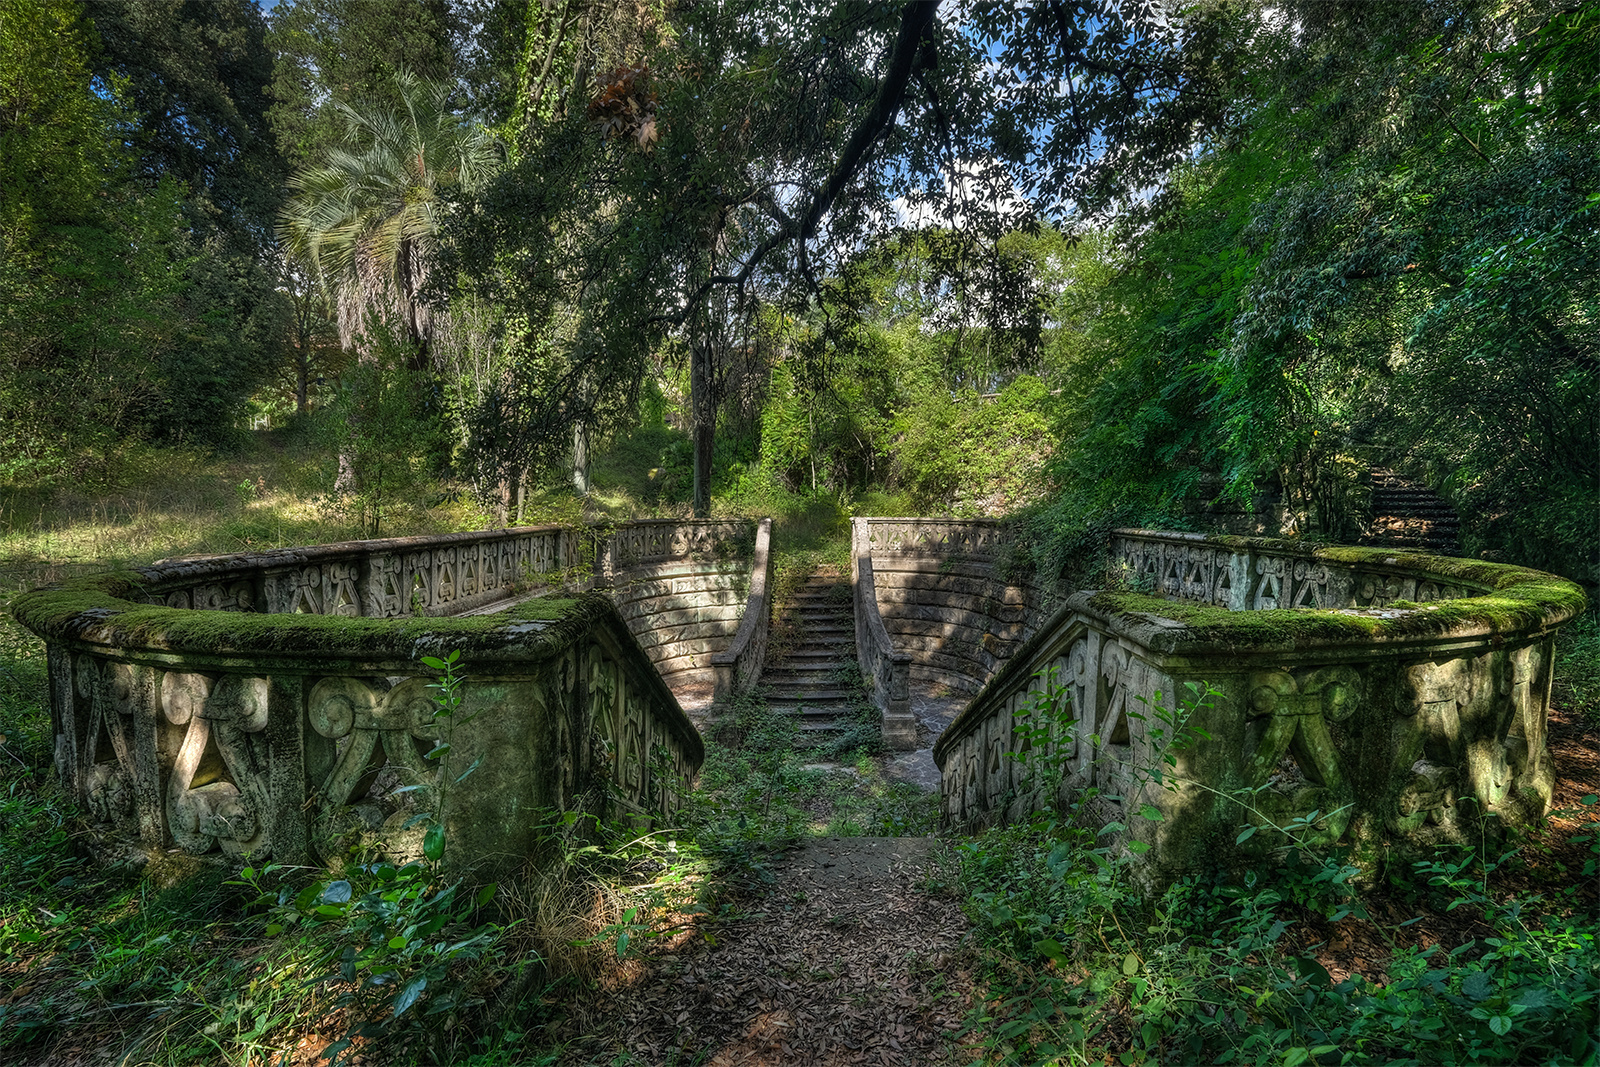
(1079, 968)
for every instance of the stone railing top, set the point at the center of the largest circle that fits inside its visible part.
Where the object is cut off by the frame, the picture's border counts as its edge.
(183, 570)
(1245, 598)
(972, 537)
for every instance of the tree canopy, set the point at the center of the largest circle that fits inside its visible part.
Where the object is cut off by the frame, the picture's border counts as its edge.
(1223, 249)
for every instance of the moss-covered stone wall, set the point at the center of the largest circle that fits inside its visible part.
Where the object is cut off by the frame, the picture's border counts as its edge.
(1287, 685)
(275, 704)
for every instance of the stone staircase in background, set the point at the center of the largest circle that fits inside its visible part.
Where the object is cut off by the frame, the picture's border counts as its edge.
(812, 647)
(1406, 514)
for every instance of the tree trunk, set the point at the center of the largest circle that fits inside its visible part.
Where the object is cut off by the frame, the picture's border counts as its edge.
(302, 377)
(580, 457)
(704, 422)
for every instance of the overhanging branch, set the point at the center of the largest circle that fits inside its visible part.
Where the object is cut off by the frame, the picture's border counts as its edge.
(916, 22)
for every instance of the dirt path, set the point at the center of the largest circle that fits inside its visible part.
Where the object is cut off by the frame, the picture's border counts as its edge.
(847, 959)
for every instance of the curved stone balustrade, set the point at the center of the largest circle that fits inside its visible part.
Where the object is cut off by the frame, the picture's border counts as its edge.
(737, 668)
(941, 592)
(684, 587)
(274, 703)
(1390, 701)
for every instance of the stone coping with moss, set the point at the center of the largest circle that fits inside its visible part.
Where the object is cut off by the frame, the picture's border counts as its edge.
(122, 613)
(1495, 602)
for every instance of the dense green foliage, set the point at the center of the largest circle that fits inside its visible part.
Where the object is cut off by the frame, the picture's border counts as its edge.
(1108, 269)
(1212, 972)
(1379, 262)
(133, 298)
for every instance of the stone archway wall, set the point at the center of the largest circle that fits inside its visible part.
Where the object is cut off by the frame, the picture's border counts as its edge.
(1382, 701)
(274, 704)
(940, 602)
(948, 595)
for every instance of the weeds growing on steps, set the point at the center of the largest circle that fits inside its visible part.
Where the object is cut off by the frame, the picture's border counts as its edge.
(762, 787)
(1081, 970)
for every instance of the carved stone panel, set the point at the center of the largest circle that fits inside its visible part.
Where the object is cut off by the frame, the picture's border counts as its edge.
(224, 596)
(218, 792)
(375, 782)
(107, 773)
(341, 589)
(1292, 758)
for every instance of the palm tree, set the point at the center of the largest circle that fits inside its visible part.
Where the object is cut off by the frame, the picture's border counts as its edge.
(367, 218)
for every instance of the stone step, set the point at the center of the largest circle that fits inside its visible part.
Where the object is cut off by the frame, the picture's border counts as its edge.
(827, 627)
(821, 623)
(810, 674)
(1394, 508)
(1408, 515)
(811, 714)
(837, 646)
(801, 680)
(1401, 518)
(802, 693)
(815, 611)
(785, 678)
(820, 728)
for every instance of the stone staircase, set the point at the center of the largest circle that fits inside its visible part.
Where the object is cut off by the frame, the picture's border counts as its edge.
(1406, 514)
(813, 642)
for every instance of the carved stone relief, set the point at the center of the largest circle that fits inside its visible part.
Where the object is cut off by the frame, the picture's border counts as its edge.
(224, 596)
(218, 792)
(1292, 751)
(374, 778)
(107, 772)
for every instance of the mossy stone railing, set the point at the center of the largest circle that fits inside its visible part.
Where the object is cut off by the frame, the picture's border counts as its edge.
(274, 703)
(1391, 702)
(737, 668)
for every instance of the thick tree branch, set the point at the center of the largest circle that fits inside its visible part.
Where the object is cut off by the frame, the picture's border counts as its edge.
(916, 22)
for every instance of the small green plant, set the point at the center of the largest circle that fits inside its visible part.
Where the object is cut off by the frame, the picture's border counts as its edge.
(399, 932)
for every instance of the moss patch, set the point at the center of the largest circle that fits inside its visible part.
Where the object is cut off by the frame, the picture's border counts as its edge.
(91, 609)
(1209, 624)
(1529, 605)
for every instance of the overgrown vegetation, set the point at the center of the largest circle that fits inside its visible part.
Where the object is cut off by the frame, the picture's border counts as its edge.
(1082, 968)
(1084, 268)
